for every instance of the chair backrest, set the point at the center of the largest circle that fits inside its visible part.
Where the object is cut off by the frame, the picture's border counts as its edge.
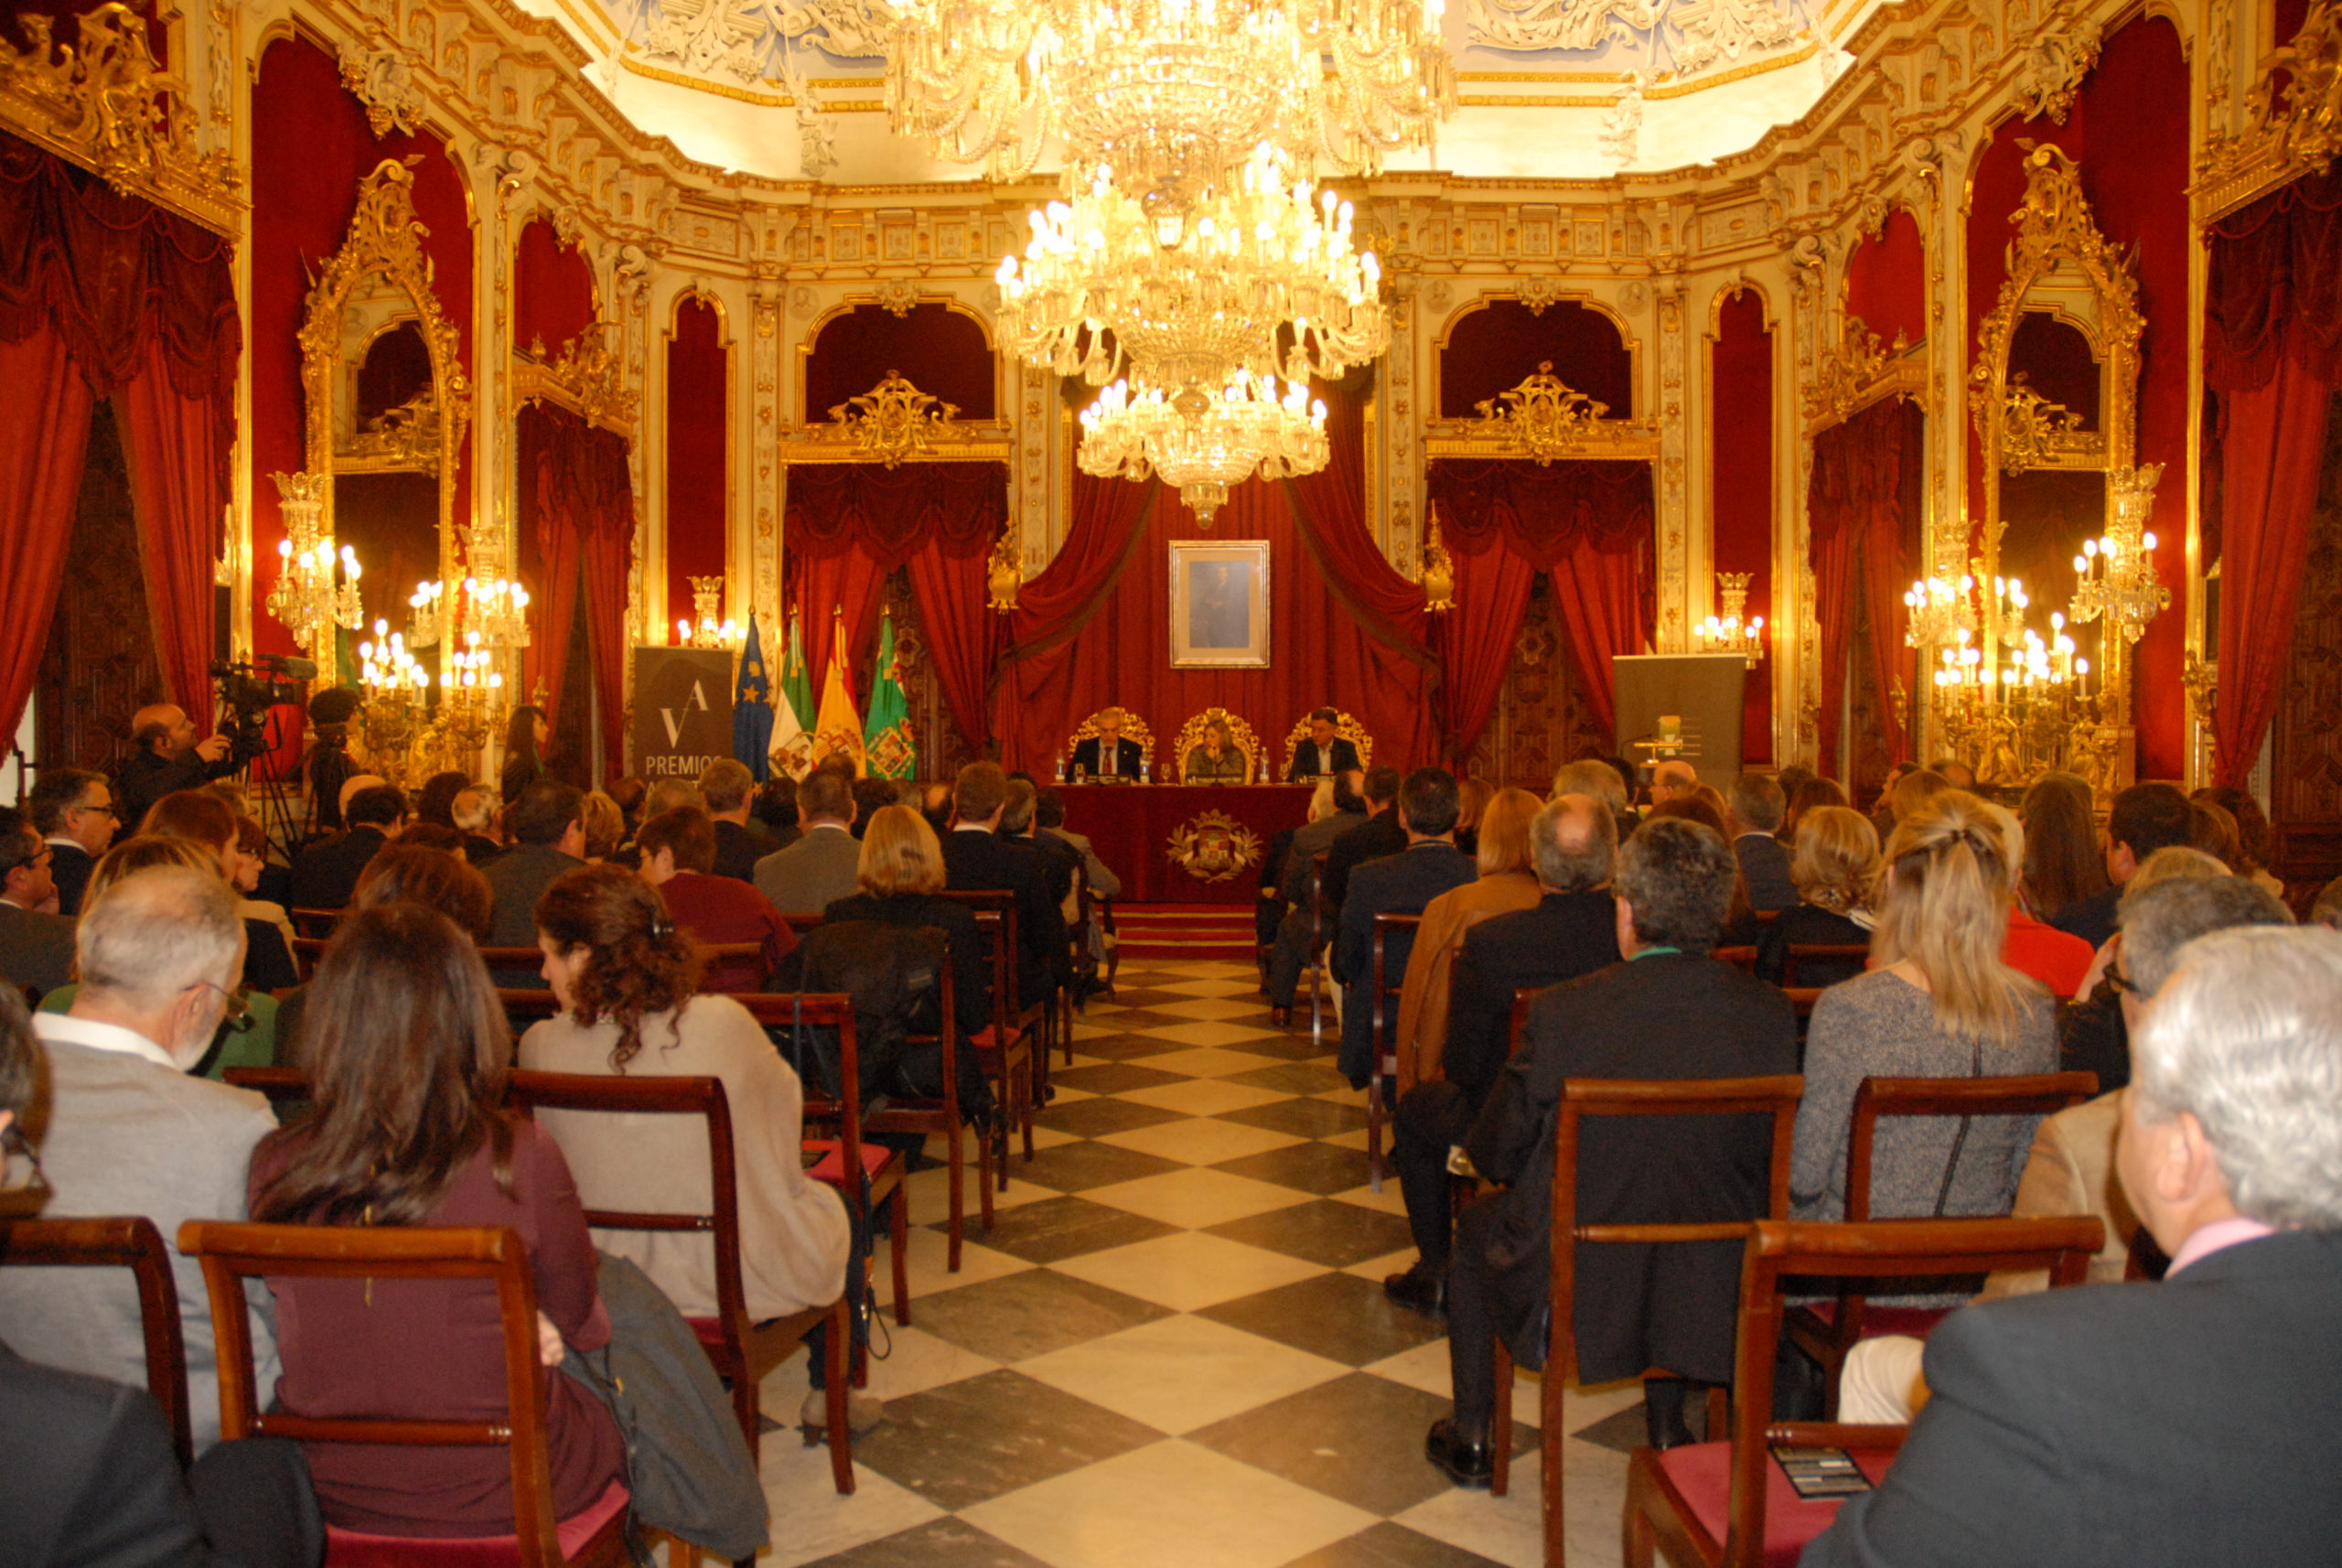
(131, 1242)
(1581, 1098)
(307, 950)
(532, 958)
(995, 912)
(1778, 1251)
(802, 924)
(1743, 958)
(618, 1095)
(1240, 735)
(522, 1008)
(316, 923)
(2037, 1094)
(721, 957)
(283, 1085)
(1840, 953)
(784, 1011)
(1386, 984)
(1345, 726)
(231, 1254)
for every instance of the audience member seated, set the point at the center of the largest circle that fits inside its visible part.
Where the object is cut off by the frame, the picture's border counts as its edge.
(548, 834)
(2144, 818)
(2059, 961)
(2161, 1427)
(1832, 868)
(679, 859)
(1941, 1003)
(436, 802)
(474, 809)
(729, 790)
(2213, 831)
(1109, 754)
(900, 874)
(1810, 795)
(1215, 761)
(2071, 1168)
(1911, 787)
(1954, 772)
(602, 825)
(87, 1472)
(168, 758)
(1375, 835)
(623, 977)
(2251, 834)
(1673, 779)
(2325, 909)
(819, 868)
(2063, 864)
(73, 811)
(207, 820)
(977, 859)
(1325, 753)
(1061, 862)
(408, 873)
(128, 1131)
(325, 874)
(628, 792)
(36, 942)
(1670, 1012)
(772, 814)
(1380, 835)
(1048, 823)
(1342, 808)
(408, 1051)
(1594, 777)
(1754, 808)
(1402, 884)
(252, 863)
(871, 796)
(1571, 930)
(1506, 882)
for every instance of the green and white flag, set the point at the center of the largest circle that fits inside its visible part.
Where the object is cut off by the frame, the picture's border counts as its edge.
(887, 748)
(792, 726)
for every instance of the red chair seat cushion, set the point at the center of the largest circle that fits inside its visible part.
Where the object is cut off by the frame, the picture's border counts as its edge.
(1702, 1472)
(706, 1330)
(830, 1166)
(988, 1038)
(1919, 1322)
(355, 1548)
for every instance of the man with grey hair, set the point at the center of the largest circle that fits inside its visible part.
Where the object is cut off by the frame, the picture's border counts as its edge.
(128, 1131)
(2161, 1425)
(1672, 779)
(1592, 775)
(730, 789)
(1757, 805)
(819, 869)
(1571, 930)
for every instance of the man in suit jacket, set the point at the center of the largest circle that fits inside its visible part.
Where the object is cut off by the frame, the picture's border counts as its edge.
(1352, 809)
(1572, 930)
(325, 874)
(549, 829)
(36, 942)
(729, 790)
(1402, 884)
(1324, 754)
(1668, 1012)
(1109, 754)
(1380, 835)
(129, 1133)
(2144, 819)
(977, 859)
(2158, 1425)
(819, 868)
(73, 809)
(1756, 807)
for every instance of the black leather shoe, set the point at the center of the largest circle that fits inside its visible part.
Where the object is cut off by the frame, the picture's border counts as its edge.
(1466, 1463)
(1280, 1016)
(1417, 1291)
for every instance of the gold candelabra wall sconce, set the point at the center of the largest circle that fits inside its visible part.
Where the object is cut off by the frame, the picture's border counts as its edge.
(1734, 631)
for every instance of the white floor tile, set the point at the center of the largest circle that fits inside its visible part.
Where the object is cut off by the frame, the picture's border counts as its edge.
(1180, 1373)
(1202, 1141)
(1196, 1198)
(1188, 1270)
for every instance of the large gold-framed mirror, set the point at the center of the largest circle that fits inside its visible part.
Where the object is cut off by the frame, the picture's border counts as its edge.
(387, 404)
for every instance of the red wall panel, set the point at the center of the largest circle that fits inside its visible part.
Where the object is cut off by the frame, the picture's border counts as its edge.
(1886, 280)
(698, 486)
(938, 349)
(1498, 347)
(552, 291)
(1741, 482)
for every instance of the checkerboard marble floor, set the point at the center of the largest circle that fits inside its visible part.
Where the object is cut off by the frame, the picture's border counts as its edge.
(1173, 1349)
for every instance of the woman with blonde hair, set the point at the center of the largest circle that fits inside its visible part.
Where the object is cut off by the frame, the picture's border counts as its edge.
(1939, 1005)
(1832, 864)
(1506, 882)
(605, 827)
(1472, 797)
(901, 876)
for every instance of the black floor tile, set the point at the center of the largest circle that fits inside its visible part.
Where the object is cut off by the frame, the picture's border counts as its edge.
(1358, 1438)
(1294, 1078)
(1322, 1168)
(1121, 1047)
(983, 1436)
(1095, 1118)
(1302, 1118)
(1339, 1316)
(1327, 1232)
(1021, 1316)
(1386, 1545)
(950, 1542)
(1111, 1077)
(1077, 1168)
(1624, 1430)
(1060, 1228)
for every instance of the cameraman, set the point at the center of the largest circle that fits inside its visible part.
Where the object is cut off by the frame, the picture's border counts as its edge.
(330, 765)
(168, 757)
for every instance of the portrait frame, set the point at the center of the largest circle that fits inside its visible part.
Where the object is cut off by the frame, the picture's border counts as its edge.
(1221, 624)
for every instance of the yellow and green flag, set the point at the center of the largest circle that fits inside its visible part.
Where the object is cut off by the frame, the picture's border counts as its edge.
(887, 747)
(837, 727)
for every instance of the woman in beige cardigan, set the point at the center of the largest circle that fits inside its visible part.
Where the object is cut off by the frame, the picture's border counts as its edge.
(625, 978)
(1505, 883)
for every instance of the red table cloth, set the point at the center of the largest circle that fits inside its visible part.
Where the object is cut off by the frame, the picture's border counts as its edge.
(1177, 843)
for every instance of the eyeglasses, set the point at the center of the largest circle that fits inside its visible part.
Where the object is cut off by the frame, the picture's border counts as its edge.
(2121, 982)
(237, 1014)
(103, 811)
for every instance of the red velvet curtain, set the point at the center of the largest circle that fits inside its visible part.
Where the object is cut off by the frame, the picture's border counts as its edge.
(1585, 523)
(2272, 348)
(850, 524)
(1862, 503)
(576, 486)
(103, 294)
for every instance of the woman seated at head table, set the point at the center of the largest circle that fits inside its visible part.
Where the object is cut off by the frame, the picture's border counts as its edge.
(1216, 760)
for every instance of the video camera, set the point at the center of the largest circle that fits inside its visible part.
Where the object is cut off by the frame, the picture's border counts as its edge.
(248, 690)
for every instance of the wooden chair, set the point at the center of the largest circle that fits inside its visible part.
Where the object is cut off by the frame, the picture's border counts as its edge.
(231, 1255)
(1345, 727)
(131, 1243)
(1465, 1190)
(741, 1350)
(1854, 953)
(803, 924)
(316, 923)
(532, 958)
(1385, 1021)
(719, 957)
(285, 1087)
(1017, 1031)
(522, 1008)
(1741, 958)
(1727, 1505)
(880, 1177)
(942, 1115)
(308, 951)
(1581, 1098)
(1827, 1331)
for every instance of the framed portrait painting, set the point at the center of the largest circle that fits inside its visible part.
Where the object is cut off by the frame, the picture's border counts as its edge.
(1220, 605)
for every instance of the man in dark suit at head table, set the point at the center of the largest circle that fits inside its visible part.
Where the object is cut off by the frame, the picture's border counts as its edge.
(74, 810)
(1323, 753)
(1109, 754)
(2159, 1424)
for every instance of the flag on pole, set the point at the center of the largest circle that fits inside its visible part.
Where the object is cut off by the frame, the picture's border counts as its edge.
(796, 680)
(837, 727)
(887, 740)
(752, 708)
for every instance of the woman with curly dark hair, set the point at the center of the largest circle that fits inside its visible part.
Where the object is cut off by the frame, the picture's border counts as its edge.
(625, 979)
(408, 1056)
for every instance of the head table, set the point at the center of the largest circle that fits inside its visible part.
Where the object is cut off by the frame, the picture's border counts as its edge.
(1181, 844)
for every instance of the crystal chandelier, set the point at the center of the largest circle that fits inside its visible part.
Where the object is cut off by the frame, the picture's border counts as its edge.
(306, 598)
(1734, 631)
(1200, 442)
(1171, 93)
(498, 609)
(707, 593)
(2117, 572)
(1257, 277)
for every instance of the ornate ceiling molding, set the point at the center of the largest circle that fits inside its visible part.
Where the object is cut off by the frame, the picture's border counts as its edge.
(585, 378)
(1862, 370)
(894, 423)
(1542, 419)
(2293, 127)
